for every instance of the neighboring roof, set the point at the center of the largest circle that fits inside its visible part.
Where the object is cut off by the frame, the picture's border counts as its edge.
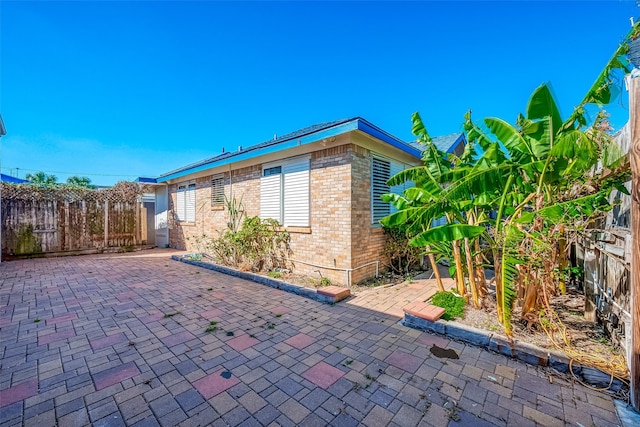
(446, 143)
(303, 136)
(3, 130)
(12, 179)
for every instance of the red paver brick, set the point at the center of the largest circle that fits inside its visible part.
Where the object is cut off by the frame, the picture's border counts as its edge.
(60, 319)
(323, 374)
(110, 340)
(5, 321)
(338, 293)
(115, 375)
(216, 383)
(424, 311)
(242, 342)
(213, 313)
(405, 361)
(300, 341)
(19, 392)
(178, 338)
(280, 310)
(56, 336)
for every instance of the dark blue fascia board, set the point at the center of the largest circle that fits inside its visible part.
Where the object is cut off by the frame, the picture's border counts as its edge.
(376, 132)
(356, 124)
(453, 146)
(146, 180)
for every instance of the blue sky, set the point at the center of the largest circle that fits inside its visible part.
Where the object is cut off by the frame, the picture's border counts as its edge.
(116, 90)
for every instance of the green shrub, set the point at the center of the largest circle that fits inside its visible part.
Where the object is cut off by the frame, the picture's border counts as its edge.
(325, 281)
(452, 304)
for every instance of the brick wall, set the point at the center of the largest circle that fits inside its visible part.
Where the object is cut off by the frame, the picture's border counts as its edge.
(340, 233)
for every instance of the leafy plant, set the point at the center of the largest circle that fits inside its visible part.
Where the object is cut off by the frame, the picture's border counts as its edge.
(325, 281)
(452, 304)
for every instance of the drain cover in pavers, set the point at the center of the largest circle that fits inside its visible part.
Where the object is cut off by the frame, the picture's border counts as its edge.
(115, 375)
(178, 338)
(404, 361)
(100, 343)
(300, 341)
(216, 383)
(18, 392)
(323, 375)
(242, 342)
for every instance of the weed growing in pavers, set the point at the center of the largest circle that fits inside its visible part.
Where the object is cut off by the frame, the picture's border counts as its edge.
(278, 315)
(356, 386)
(338, 347)
(209, 289)
(211, 329)
(36, 320)
(271, 326)
(168, 315)
(348, 362)
(252, 336)
(452, 413)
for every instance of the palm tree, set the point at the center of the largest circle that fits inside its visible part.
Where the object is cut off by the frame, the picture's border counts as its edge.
(41, 178)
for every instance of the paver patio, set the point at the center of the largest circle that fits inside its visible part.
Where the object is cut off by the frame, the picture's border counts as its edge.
(120, 340)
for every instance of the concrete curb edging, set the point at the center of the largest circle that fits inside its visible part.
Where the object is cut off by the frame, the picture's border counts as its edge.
(523, 351)
(268, 281)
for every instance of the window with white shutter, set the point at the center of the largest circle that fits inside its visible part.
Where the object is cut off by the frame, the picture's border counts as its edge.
(271, 193)
(186, 202)
(284, 192)
(217, 190)
(380, 174)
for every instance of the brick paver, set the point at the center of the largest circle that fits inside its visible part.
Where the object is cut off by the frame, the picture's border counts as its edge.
(121, 340)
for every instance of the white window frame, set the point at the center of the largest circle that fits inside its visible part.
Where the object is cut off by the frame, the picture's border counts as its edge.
(186, 202)
(285, 191)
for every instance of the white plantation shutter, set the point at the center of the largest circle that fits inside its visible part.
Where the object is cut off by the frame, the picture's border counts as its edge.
(190, 203)
(180, 202)
(270, 193)
(396, 167)
(380, 174)
(186, 202)
(296, 193)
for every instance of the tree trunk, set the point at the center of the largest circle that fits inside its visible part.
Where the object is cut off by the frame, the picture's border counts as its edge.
(434, 266)
(481, 279)
(459, 273)
(562, 261)
(471, 271)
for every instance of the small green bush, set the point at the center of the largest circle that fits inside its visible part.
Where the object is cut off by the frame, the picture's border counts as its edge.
(452, 304)
(325, 281)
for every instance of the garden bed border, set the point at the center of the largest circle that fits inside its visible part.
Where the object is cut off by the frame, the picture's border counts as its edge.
(324, 296)
(523, 351)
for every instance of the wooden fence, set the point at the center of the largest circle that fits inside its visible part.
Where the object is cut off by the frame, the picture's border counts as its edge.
(90, 221)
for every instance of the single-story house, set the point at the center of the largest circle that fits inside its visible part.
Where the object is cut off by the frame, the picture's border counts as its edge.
(322, 183)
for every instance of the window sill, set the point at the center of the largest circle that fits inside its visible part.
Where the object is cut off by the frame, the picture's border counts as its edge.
(377, 228)
(299, 230)
(217, 208)
(186, 224)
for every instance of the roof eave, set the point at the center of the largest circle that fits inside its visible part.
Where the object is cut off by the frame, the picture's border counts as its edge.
(351, 125)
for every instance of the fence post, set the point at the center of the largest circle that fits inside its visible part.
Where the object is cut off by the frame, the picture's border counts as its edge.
(106, 223)
(634, 157)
